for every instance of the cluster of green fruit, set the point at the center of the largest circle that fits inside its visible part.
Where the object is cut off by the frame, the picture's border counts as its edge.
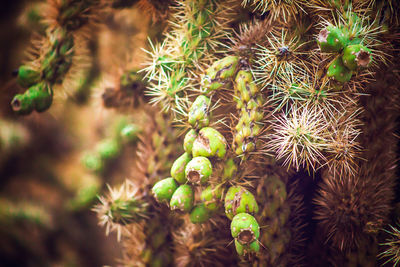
(194, 168)
(352, 55)
(109, 148)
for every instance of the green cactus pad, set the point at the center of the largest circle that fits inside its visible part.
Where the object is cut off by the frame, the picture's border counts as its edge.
(27, 76)
(356, 56)
(183, 198)
(339, 71)
(178, 168)
(211, 196)
(199, 214)
(332, 39)
(108, 149)
(198, 170)
(209, 143)
(199, 112)
(164, 189)
(245, 228)
(243, 250)
(239, 200)
(190, 136)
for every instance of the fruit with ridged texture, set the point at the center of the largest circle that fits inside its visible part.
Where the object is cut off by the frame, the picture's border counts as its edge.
(209, 143)
(339, 71)
(178, 168)
(356, 56)
(239, 200)
(211, 197)
(164, 189)
(198, 115)
(199, 214)
(332, 39)
(198, 170)
(245, 228)
(183, 198)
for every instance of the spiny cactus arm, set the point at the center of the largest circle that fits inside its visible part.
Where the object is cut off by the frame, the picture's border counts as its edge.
(65, 21)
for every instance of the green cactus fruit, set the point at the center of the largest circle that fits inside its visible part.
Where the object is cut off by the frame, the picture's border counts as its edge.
(209, 143)
(108, 149)
(198, 170)
(239, 200)
(243, 250)
(183, 198)
(199, 214)
(41, 95)
(245, 228)
(211, 196)
(129, 133)
(220, 71)
(27, 76)
(198, 115)
(178, 168)
(339, 71)
(190, 136)
(332, 39)
(164, 189)
(356, 56)
(93, 162)
(230, 169)
(22, 104)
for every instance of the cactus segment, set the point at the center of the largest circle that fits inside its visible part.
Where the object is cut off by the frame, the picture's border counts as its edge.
(209, 143)
(332, 39)
(356, 56)
(239, 200)
(339, 71)
(199, 214)
(108, 149)
(230, 169)
(211, 197)
(27, 76)
(183, 198)
(219, 72)
(245, 228)
(198, 170)
(178, 168)
(164, 189)
(188, 141)
(199, 112)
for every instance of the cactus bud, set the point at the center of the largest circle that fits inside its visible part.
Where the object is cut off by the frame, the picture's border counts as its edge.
(230, 169)
(129, 133)
(210, 197)
(182, 198)
(198, 170)
(239, 200)
(356, 56)
(164, 189)
(190, 136)
(178, 168)
(198, 112)
(92, 162)
(332, 39)
(41, 95)
(199, 214)
(339, 71)
(209, 143)
(245, 228)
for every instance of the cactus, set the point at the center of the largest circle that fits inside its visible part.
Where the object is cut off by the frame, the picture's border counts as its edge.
(247, 132)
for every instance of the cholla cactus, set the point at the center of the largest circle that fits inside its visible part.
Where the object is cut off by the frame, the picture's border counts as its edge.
(267, 131)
